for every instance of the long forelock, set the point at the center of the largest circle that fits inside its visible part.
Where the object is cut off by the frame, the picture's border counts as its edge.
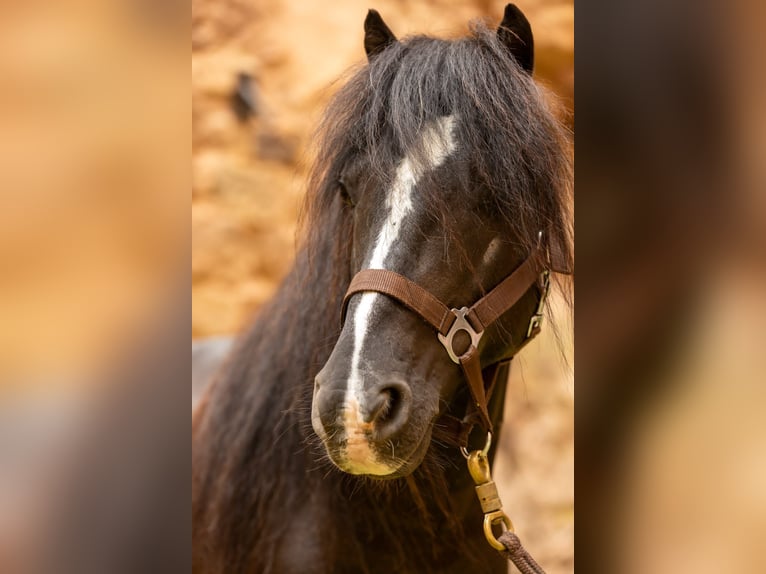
(505, 128)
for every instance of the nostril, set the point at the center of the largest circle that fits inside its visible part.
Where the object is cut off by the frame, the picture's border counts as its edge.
(390, 409)
(384, 405)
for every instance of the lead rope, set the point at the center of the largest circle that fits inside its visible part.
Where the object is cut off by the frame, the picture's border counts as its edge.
(508, 543)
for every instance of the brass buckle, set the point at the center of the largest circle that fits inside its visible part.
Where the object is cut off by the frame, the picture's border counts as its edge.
(537, 319)
(460, 324)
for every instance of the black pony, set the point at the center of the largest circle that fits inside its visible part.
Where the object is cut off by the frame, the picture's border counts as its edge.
(319, 447)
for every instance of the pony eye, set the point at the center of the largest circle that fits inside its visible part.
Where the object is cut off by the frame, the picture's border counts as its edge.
(344, 194)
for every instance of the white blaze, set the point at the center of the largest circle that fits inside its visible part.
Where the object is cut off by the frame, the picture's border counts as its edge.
(491, 252)
(436, 144)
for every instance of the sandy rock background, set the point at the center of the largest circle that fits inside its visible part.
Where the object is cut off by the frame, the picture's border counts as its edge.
(248, 175)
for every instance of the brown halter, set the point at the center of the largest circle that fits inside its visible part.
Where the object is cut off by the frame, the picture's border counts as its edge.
(473, 320)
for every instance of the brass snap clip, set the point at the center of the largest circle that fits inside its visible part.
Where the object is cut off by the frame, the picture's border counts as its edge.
(486, 490)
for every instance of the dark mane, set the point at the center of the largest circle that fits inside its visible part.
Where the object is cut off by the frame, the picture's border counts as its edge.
(518, 147)
(244, 482)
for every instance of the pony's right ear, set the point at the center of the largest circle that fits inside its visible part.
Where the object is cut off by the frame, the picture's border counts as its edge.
(516, 33)
(377, 36)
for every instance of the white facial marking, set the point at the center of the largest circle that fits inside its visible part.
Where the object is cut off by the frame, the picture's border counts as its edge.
(359, 457)
(491, 252)
(437, 143)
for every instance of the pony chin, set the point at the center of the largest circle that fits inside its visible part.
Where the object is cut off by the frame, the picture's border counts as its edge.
(361, 458)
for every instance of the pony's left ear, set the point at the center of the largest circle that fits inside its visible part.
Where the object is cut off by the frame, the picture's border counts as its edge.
(377, 36)
(516, 34)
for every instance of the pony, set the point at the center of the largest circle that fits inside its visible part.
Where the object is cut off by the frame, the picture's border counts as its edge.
(319, 448)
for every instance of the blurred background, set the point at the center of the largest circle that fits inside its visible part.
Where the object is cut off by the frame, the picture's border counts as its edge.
(94, 240)
(671, 262)
(262, 72)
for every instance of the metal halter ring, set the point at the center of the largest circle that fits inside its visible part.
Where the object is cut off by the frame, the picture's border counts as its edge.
(484, 451)
(497, 517)
(460, 324)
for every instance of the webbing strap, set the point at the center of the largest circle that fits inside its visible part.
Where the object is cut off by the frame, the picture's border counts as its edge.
(491, 307)
(407, 292)
(471, 365)
(482, 314)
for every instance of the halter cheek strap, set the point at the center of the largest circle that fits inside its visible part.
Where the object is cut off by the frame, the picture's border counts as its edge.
(472, 320)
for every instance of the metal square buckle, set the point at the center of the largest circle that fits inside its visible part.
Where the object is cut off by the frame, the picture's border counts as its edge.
(536, 322)
(460, 324)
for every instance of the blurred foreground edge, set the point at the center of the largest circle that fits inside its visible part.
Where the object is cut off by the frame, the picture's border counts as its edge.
(670, 232)
(120, 501)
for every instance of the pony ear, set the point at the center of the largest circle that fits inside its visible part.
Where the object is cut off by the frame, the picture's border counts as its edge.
(377, 36)
(516, 34)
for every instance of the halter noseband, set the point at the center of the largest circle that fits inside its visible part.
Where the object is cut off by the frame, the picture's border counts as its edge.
(473, 320)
